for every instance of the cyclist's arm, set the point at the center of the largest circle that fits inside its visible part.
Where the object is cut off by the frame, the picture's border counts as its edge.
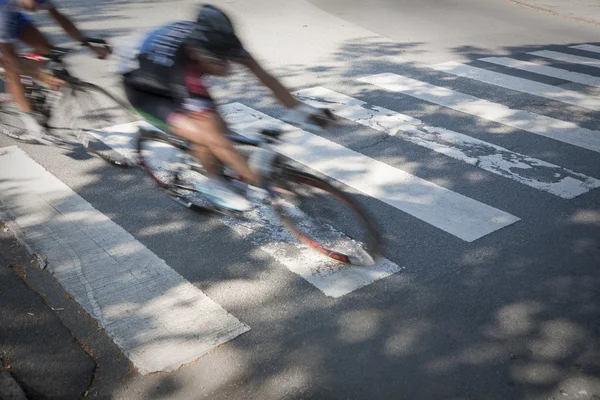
(279, 91)
(68, 26)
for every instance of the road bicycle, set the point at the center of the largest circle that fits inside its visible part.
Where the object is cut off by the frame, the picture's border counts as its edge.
(315, 211)
(82, 105)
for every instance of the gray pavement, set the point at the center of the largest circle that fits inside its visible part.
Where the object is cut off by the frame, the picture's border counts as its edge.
(587, 11)
(35, 347)
(513, 315)
(49, 349)
(9, 388)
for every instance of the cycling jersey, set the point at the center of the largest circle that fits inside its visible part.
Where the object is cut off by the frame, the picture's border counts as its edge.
(158, 64)
(159, 79)
(13, 21)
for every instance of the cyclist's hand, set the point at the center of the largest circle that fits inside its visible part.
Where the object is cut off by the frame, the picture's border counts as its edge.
(322, 117)
(51, 80)
(102, 52)
(305, 115)
(98, 46)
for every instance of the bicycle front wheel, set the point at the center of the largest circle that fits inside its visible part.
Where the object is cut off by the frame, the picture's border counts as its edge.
(325, 218)
(90, 107)
(11, 123)
(91, 113)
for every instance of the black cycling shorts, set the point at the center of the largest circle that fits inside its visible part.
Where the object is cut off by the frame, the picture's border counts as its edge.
(157, 108)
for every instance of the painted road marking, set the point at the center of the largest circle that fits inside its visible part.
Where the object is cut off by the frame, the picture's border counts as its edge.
(587, 47)
(263, 228)
(530, 171)
(563, 131)
(570, 76)
(520, 85)
(159, 320)
(570, 58)
(461, 216)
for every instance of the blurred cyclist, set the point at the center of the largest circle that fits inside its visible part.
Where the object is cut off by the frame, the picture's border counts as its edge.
(163, 78)
(16, 26)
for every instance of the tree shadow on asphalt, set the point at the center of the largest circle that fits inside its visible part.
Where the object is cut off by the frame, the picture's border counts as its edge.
(487, 321)
(503, 317)
(41, 352)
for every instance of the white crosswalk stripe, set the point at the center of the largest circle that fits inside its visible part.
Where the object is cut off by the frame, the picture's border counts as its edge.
(449, 211)
(136, 297)
(587, 47)
(571, 76)
(160, 320)
(520, 85)
(570, 58)
(263, 228)
(552, 128)
(527, 170)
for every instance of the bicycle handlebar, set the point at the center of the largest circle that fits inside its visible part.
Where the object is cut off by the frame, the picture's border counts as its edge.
(57, 53)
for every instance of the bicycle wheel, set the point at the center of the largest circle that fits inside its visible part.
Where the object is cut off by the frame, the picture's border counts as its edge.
(11, 124)
(90, 107)
(89, 111)
(165, 159)
(325, 218)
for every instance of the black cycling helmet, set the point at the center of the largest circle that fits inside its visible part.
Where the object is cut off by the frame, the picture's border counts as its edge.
(215, 34)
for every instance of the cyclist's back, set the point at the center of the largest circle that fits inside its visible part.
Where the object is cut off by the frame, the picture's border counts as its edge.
(157, 74)
(159, 64)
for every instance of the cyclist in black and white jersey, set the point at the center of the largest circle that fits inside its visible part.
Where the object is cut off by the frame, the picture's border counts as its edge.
(163, 78)
(16, 26)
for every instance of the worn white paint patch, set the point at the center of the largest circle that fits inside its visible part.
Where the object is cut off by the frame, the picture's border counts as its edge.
(159, 320)
(263, 228)
(334, 279)
(451, 212)
(530, 171)
(520, 85)
(556, 129)
(587, 47)
(570, 58)
(570, 76)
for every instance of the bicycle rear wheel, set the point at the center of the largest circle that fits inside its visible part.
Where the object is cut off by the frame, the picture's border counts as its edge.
(325, 218)
(165, 159)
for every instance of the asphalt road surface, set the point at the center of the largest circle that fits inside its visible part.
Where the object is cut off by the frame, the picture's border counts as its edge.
(469, 130)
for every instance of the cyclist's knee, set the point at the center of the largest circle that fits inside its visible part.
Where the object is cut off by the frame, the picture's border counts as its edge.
(201, 128)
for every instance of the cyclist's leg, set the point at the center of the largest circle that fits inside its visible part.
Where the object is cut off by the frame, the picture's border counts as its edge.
(29, 34)
(204, 129)
(159, 109)
(9, 29)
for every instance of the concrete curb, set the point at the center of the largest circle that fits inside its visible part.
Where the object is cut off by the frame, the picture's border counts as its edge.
(9, 388)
